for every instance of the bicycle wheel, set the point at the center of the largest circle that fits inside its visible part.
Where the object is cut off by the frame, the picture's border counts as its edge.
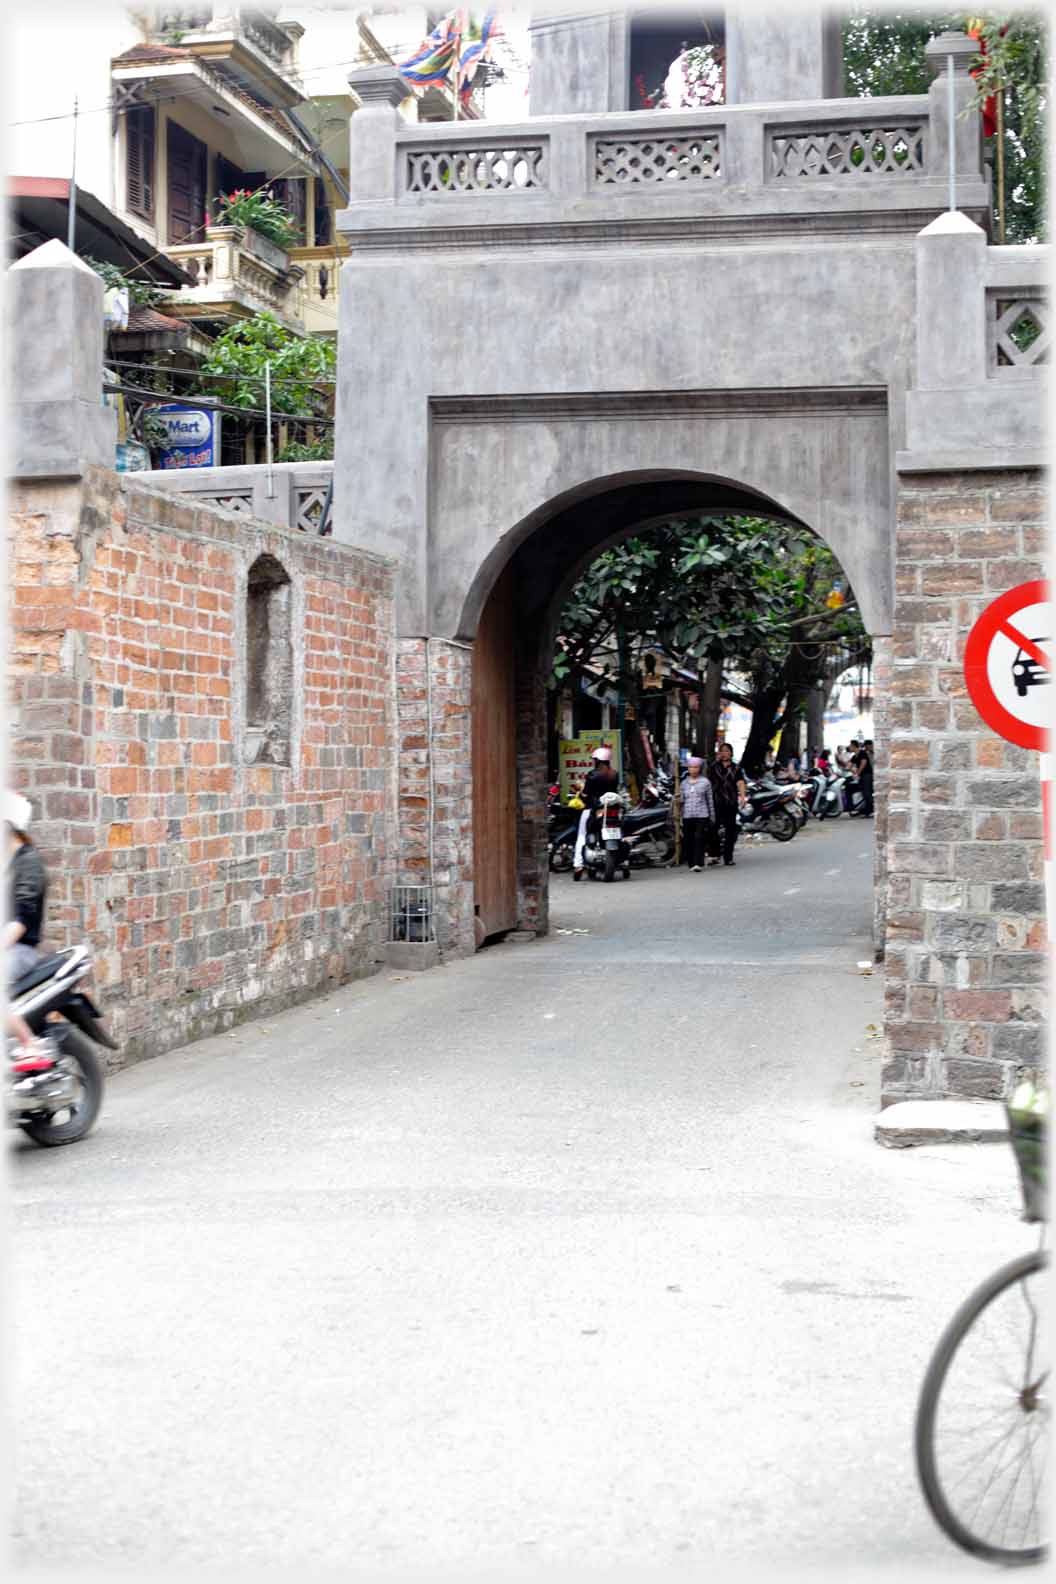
(983, 1419)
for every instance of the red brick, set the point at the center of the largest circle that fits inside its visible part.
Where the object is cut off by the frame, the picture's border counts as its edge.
(977, 1006)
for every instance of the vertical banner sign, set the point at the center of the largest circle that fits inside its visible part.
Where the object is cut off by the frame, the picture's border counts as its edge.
(573, 757)
(194, 436)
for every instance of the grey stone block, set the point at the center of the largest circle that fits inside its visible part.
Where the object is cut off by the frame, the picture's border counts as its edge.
(911, 1122)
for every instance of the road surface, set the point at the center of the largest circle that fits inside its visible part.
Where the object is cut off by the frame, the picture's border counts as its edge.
(575, 1255)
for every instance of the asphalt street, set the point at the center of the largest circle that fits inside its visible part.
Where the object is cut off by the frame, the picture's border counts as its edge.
(576, 1255)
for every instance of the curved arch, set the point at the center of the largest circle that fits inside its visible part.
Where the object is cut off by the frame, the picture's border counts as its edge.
(267, 572)
(555, 543)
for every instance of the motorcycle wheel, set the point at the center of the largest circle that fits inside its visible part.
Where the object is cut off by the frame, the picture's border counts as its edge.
(81, 1116)
(781, 826)
(610, 865)
(561, 859)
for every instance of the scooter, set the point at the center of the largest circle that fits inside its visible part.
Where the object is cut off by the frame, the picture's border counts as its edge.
(823, 796)
(606, 849)
(767, 812)
(54, 1095)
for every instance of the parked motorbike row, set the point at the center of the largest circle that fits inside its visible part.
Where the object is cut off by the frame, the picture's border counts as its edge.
(54, 1093)
(622, 838)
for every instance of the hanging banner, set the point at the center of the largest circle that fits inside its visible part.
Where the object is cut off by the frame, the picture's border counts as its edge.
(573, 758)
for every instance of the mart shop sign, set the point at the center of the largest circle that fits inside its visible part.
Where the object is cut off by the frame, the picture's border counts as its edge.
(193, 436)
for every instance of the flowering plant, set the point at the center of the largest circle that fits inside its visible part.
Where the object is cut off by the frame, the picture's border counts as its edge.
(260, 211)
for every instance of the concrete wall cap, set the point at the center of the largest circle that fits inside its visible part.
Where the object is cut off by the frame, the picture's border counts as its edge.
(963, 49)
(952, 223)
(379, 85)
(54, 255)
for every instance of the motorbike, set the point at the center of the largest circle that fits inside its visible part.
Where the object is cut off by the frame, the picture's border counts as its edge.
(606, 849)
(823, 796)
(768, 812)
(54, 1095)
(650, 827)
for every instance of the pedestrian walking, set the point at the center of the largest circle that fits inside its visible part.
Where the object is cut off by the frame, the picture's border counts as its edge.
(698, 814)
(729, 793)
(863, 769)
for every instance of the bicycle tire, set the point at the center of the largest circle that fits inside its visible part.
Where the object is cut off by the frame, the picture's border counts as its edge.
(928, 1406)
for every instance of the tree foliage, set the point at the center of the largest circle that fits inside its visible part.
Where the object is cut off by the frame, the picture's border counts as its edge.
(883, 54)
(744, 592)
(298, 365)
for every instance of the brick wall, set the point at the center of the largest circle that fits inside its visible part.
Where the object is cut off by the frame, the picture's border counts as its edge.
(209, 888)
(433, 685)
(965, 933)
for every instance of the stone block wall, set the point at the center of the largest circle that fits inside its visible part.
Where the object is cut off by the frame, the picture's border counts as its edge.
(209, 887)
(533, 859)
(966, 963)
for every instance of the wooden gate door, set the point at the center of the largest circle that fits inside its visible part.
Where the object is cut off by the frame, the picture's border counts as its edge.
(495, 766)
(188, 166)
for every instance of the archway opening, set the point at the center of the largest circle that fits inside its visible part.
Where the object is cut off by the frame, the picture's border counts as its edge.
(720, 615)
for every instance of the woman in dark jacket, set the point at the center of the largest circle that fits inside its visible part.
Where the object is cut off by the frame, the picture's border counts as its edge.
(27, 889)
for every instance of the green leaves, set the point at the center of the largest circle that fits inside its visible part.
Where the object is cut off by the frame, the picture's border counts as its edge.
(297, 362)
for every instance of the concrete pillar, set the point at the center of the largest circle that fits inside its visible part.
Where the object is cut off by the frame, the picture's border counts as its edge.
(783, 54)
(968, 136)
(580, 62)
(54, 312)
(372, 160)
(951, 304)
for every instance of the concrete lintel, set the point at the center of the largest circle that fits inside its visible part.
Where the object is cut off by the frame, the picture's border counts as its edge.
(973, 461)
(912, 1122)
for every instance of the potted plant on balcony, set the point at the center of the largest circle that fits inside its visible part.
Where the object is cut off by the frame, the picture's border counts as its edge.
(268, 229)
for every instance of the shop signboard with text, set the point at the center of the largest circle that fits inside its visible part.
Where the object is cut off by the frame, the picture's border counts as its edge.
(193, 436)
(573, 758)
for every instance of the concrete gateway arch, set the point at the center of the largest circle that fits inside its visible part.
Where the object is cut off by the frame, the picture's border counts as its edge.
(556, 330)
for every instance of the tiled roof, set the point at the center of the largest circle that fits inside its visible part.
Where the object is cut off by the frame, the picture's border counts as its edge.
(150, 54)
(142, 318)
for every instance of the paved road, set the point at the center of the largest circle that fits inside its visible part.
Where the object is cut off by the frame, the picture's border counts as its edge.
(575, 1255)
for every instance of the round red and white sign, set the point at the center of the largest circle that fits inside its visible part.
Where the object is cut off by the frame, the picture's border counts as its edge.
(1008, 665)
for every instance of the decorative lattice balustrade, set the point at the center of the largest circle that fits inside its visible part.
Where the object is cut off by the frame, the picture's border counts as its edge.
(847, 151)
(642, 159)
(468, 169)
(309, 504)
(1017, 329)
(240, 501)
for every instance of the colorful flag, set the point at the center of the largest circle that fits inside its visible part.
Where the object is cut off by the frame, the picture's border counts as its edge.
(435, 58)
(477, 41)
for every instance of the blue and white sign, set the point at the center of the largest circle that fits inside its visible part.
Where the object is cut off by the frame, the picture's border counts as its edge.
(194, 436)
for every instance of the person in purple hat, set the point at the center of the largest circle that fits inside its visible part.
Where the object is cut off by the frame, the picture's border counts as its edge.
(698, 814)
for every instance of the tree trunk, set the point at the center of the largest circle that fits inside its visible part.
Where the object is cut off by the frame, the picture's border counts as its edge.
(710, 707)
(766, 706)
(819, 698)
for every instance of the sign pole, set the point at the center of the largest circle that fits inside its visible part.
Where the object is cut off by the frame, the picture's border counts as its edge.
(270, 490)
(952, 129)
(71, 220)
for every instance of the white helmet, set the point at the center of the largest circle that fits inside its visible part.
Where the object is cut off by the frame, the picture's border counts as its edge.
(18, 811)
(604, 754)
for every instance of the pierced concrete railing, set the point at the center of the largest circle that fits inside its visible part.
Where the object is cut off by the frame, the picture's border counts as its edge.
(297, 500)
(1017, 311)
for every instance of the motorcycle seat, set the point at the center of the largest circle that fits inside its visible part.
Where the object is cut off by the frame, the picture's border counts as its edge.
(46, 968)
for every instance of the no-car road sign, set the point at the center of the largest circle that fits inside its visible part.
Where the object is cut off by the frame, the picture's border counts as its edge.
(1008, 665)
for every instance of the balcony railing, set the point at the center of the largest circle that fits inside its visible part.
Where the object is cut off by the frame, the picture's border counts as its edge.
(236, 273)
(822, 164)
(295, 499)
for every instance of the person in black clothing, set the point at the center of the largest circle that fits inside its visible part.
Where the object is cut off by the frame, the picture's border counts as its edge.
(601, 778)
(27, 891)
(862, 765)
(729, 792)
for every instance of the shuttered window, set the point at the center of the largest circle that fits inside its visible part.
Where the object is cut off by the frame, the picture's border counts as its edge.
(139, 162)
